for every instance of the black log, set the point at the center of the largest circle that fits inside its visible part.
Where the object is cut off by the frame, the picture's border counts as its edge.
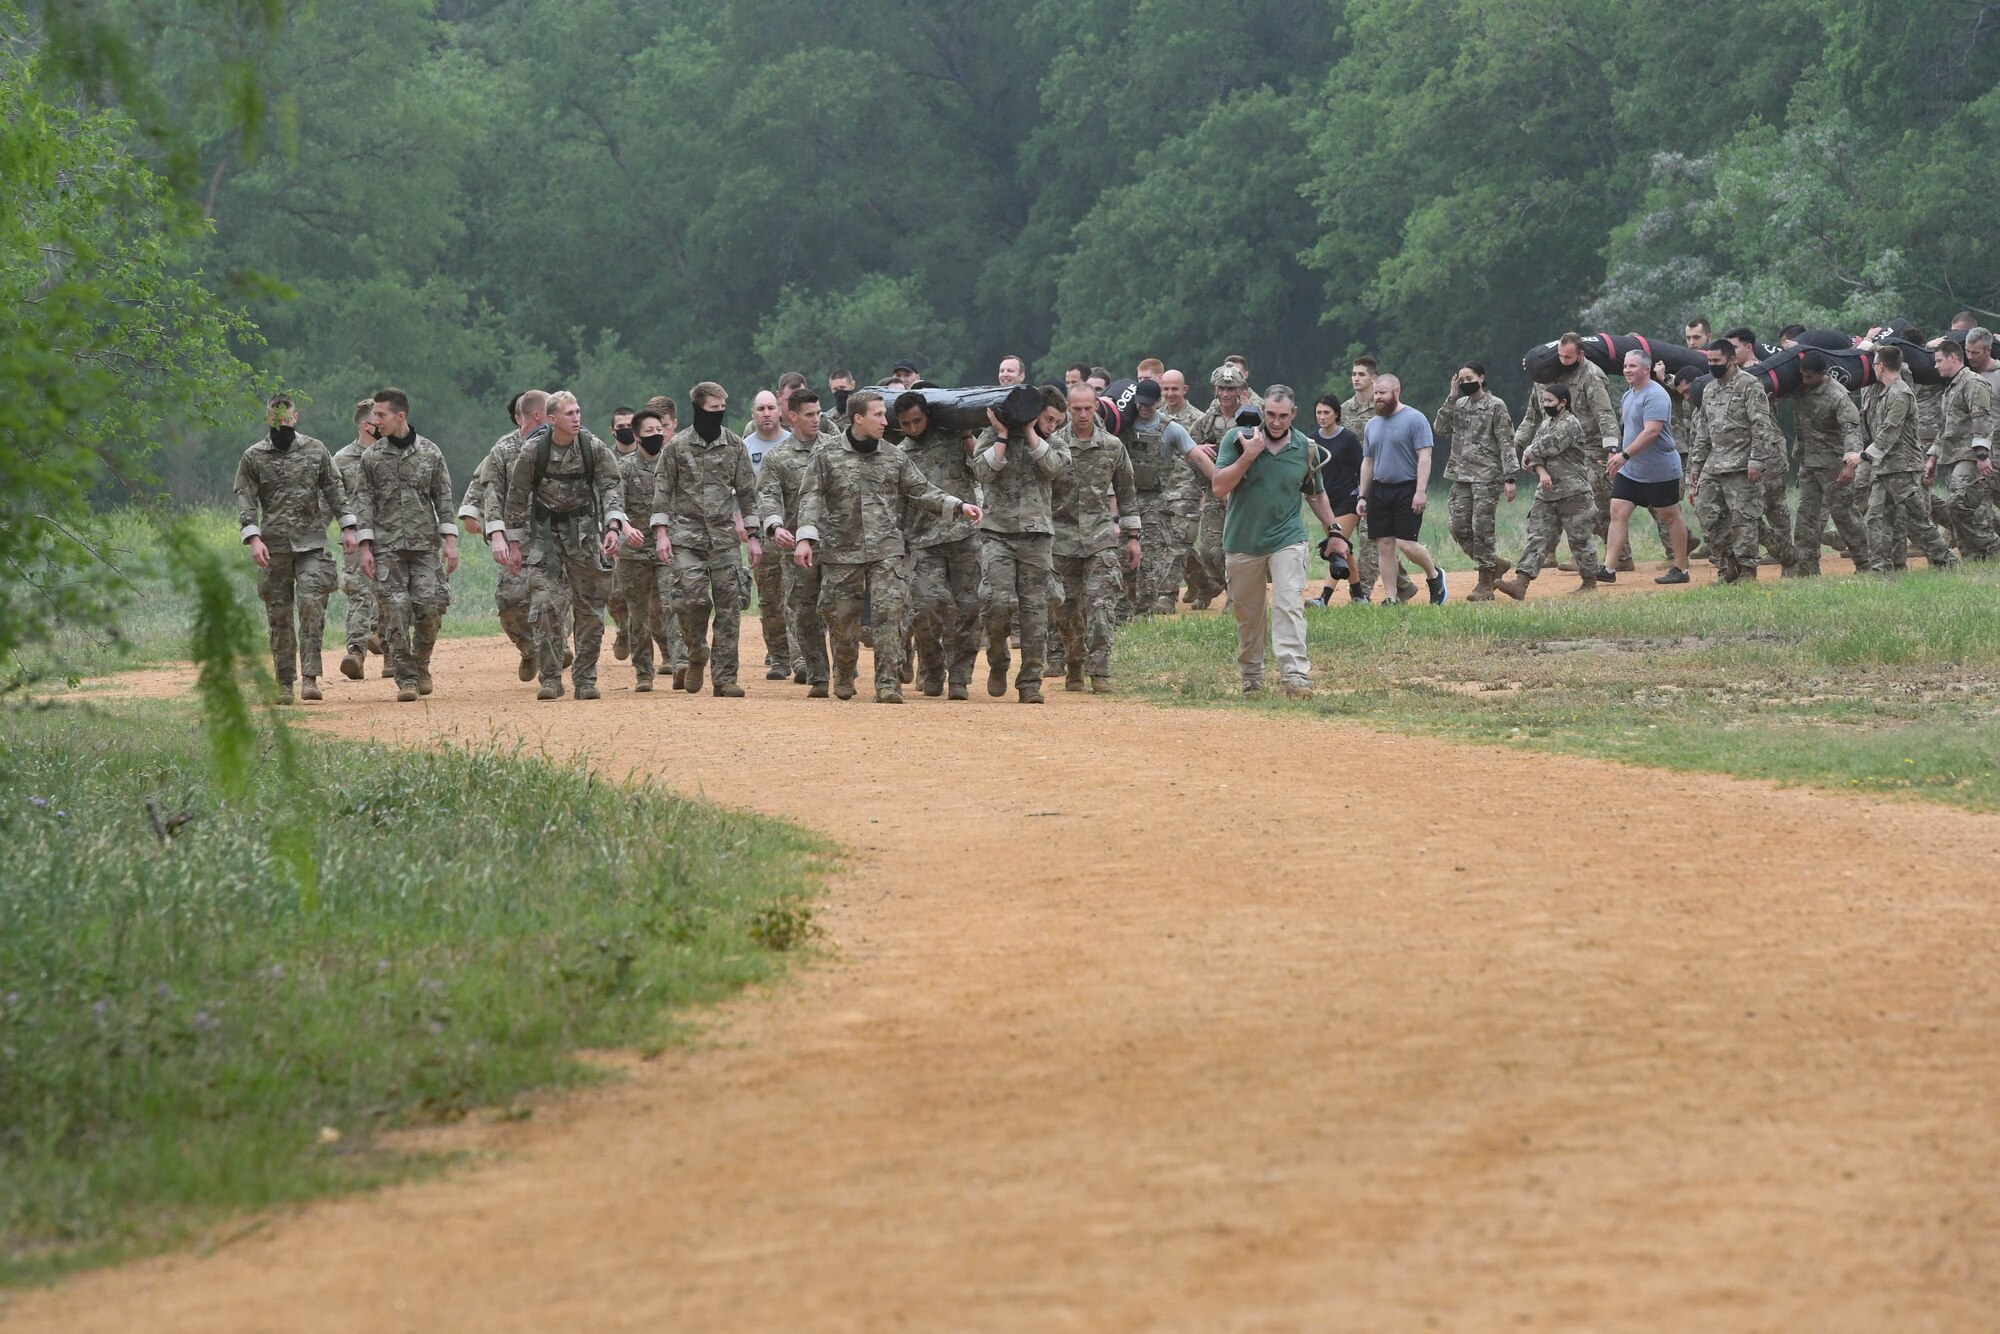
(965, 409)
(1780, 374)
(1607, 353)
(1115, 407)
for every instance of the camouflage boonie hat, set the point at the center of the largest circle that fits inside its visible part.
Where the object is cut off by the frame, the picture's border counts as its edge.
(1228, 376)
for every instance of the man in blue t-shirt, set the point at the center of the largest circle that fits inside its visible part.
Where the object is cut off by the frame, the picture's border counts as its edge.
(1395, 473)
(1646, 470)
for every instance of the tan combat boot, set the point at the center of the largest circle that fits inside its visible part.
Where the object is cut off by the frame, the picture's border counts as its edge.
(309, 688)
(1514, 586)
(1483, 590)
(354, 665)
(1073, 676)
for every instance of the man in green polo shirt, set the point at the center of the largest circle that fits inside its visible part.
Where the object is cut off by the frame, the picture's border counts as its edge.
(1262, 471)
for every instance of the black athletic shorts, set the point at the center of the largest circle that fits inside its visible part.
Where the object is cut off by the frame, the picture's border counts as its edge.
(1646, 495)
(1389, 512)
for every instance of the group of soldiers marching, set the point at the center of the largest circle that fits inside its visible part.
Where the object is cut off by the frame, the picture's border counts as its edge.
(865, 522)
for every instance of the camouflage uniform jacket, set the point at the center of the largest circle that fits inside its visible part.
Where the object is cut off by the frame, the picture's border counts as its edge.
(1892, 429)
(1589, 403)
(1734, 429)
(564, 492)
(1930, 410)
(1188, 484)
(1155, 463)
(1829, 425)
(1482, 439)
(781, 480)
(1559, 445)
(1099, 472)
(1683, 423)
(286, 496)
(405, 499)
(639, 476)
(1019, 489)
(347, 462)
(709, 486)
(1968, 406)
(940, 456)
(852, 507)
(486, 494)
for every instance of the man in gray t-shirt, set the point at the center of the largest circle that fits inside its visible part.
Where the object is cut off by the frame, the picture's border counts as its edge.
(1395, 472)
(1647, 470)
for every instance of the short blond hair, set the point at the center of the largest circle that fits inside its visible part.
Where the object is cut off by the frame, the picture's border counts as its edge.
(560, 399)
(705, 391)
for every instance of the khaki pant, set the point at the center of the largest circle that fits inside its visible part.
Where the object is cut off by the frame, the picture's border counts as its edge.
(1285, 571)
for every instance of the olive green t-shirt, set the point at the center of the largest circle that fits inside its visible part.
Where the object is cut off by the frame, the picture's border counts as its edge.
(1263, 514)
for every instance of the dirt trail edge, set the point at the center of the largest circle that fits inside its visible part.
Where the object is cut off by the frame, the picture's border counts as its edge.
(1145, 1018)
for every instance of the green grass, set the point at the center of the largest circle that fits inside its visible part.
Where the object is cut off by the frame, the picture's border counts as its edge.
(183, 1018)
(1882, 685)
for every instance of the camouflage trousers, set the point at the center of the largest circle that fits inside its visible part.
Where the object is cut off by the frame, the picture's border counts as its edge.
(301, 581)
(1174, 541)
(808, 631)
(1147, 586)
(568, 590)
(651, 623)
(1774, 525)
(363, 617)
(842, 589)
(1730, 506)
(1015, 583)
(1969, 501)
(1899, 513)
(1600, 518)
(412, 592)
(1206, 577)
(1470, 509)
(1091, 586)
(1821, 495)
(1571, 517)
(514, 600)
(768, 574)
(944, 611)
(708, 588)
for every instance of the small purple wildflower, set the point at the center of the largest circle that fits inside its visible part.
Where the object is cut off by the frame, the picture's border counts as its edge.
(39, 803)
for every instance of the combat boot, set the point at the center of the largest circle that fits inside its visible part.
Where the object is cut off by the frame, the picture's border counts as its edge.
(388, 673)
(549, 690)
(1073, 676)
(374, 645)
(957, 690)
(996, 675)
(529, 666)
(1514, 585)
(1405, 590)
(309, 688)
(1587, 584)
(817, 690)
(643, 686)
(621, 647)
(728, 690)
(843, 686)
(354, 665)
(424, 681)
(907, 673)
(776, 673)
(888, 695)
(691, 682)
(407, 694)
(798, 676)
(1625, 565)
(284, 695)
(587, 692)
(1483, 590)
(1100, 685)
(1032, 694)
(933, 686)
(680, 678)
(1567, 566)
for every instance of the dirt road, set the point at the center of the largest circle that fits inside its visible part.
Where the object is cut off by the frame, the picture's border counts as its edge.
(1209, 1020)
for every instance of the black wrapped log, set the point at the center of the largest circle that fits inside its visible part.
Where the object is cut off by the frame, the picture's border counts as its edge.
(965, 409)
(1781, 373)
(1607, 353)
(1827, 340)
(1115, 409)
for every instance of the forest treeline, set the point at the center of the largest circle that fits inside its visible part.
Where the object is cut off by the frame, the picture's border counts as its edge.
(468, 197)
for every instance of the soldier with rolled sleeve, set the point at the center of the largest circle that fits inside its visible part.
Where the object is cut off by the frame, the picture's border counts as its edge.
(565, 523)
(1096, 539)
(409, 543)
(851, 527)
(1963, 452)
(287, 488)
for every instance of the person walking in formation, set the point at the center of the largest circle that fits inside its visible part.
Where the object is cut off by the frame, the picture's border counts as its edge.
(714, 492)
(363, 616)
(409, 542)
(1736, 442)
(1481, 470)
(1094, 505)
(1016, 468)
(287, 488)
(1562, 460)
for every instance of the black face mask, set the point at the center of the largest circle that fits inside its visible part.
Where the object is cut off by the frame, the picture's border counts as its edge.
(1721, 372)
(708, 424)
(282, 437)
(652, 444)
(624, 434)
(1468, 387)
(862, 446)
(840, 400)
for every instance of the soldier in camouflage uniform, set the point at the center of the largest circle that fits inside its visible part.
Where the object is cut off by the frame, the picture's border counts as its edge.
(713, 484)
(1563, 458)
(405, 516)
(646, 572)
(1899, 513)
(1355, 412)
(482, 512)
(1231, 394)
(363, 617)
(1590, 404)
(944, 574)
(1016, 472)
(1481, 470)
(851, 524)
(1680, 391)
(1096, 486)
(286, 490)
(1964, 452)
(1736, 444)
(565, 520)
(1185, 488)
(780, 486)
(1158, 447)
(1829, 432)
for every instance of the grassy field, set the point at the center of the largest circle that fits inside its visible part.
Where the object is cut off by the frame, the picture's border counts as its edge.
(1882, 685)
(198, 1017)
